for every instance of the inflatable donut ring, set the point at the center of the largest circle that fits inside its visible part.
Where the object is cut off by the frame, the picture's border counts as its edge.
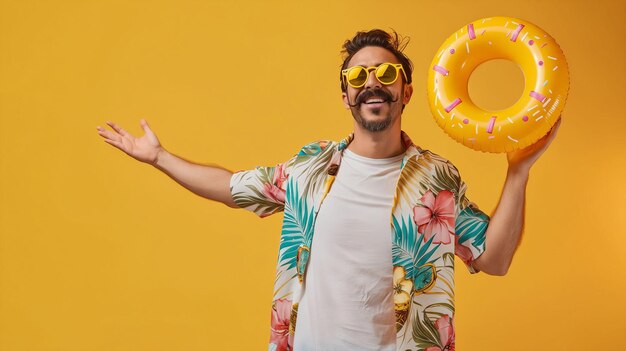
(535, 112)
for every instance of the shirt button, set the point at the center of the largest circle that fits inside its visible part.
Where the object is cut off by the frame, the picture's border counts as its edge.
(332, 170)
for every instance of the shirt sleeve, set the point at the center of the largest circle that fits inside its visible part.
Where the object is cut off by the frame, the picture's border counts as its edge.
(470, 228)
(261, 190)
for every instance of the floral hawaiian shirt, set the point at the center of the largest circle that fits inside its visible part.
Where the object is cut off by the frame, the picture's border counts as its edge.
(431, 221)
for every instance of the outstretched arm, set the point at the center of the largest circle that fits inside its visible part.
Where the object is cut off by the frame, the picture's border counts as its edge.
(507, 222)
(211, 182)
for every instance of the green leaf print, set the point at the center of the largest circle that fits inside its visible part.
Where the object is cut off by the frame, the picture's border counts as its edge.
(471, 224)
(297, 225)
(410, 251)
(425, 333)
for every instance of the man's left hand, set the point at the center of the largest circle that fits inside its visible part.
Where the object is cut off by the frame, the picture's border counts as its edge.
(523, 159)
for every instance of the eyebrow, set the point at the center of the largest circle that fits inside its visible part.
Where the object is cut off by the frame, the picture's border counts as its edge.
(376, 65)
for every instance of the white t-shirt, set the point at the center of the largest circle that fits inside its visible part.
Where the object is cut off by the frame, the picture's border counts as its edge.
(347, 301)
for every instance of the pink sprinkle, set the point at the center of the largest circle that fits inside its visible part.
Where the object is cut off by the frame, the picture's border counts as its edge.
(516, 32)
(452, 51)
(525, 118)
(440, 70)
(453, 104)
(490, 125)
(531, 42)
(466, 121)
(537, 96)
(540, 63)
(470, 29)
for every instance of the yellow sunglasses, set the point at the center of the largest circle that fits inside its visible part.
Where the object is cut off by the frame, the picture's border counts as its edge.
(386, 73)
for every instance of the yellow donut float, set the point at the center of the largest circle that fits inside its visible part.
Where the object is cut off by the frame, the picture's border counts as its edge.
(535, 112)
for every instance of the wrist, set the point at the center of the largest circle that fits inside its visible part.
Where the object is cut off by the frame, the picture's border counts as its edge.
(518, 172)
(160, 156)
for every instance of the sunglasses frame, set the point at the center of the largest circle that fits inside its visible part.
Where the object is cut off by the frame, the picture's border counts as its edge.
(397, 66)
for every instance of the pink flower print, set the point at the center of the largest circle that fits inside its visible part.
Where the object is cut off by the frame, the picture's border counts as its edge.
(280, 177)
(279, 336)
(464, 253)
(435, 216)
(273, 192)
(445, 328)
(276, 189)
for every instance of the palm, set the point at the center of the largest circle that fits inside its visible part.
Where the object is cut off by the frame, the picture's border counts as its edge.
(144, 149)
(527, 156)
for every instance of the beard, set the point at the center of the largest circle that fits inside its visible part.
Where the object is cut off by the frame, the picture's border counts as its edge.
(373, 125)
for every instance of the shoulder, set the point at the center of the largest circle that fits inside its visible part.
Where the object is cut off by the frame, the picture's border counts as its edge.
(316, 148)
(437, 160)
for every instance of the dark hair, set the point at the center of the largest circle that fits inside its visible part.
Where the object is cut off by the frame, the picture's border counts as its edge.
(377, 37)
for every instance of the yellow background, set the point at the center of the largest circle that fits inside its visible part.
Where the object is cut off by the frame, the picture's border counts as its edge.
(100, 252)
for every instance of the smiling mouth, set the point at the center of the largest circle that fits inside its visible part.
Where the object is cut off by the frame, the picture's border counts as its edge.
(374, 101)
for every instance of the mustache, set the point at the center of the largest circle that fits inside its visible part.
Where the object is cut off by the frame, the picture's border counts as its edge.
(377, 92)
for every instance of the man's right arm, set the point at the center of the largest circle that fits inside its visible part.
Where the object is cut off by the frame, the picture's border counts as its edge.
(211, 182)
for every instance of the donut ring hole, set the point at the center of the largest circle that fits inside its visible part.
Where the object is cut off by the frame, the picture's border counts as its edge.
(496, 85)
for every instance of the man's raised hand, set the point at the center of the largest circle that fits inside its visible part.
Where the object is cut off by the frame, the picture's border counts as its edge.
(145, 149)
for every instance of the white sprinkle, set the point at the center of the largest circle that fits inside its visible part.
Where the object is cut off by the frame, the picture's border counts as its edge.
(476, 128)
(524, 37)
(514, 22)
(536, 37)
(506, 24)
(550, 90)
(467, 46)
(547, 102)
(452, 125)
(483, 21)
(483, 32)
(552, 58)
(460, 125)
(439, 112)
(510, 120)
(451, 117)
(555, 67)
(456, 35)
(544, 83)
(436, 98)
(491, 136)
(538, 118)
(532, 107)
(536, 112)
(441, 53)
(508, 136)
(508, 33)
(463, 65)
(499, 128)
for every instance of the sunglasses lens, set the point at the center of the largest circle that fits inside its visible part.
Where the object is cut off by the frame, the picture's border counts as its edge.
(386, 73)
(357, 76)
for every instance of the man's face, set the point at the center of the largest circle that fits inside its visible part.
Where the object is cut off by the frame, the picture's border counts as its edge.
(365, 102)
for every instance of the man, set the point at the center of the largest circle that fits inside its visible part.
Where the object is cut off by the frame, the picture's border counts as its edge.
(371, 223)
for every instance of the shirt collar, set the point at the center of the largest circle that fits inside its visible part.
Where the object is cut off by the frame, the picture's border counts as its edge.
(411, 148)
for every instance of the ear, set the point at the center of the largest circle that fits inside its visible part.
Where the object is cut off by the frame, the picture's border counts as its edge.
(408, 92)
(346, 102)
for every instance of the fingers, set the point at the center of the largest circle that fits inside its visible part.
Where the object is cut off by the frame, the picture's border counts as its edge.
(110, 136)
(120, 130)
(114, 143)
(145, 126)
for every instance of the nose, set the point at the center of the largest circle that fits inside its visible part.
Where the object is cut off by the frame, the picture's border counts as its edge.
(372, 81)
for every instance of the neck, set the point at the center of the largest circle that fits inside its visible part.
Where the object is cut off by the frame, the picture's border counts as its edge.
(383, 144)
